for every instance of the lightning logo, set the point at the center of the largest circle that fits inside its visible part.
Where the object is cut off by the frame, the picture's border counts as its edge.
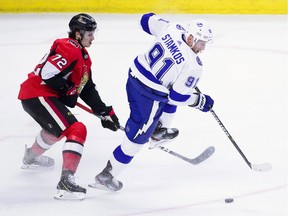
(146, 126)
(142, 130)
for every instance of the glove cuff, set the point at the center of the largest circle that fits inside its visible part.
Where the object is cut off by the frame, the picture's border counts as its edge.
(196, 100)
(111, 111)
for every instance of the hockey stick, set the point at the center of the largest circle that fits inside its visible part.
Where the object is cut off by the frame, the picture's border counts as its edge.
(90, 111)
(200, 158)
(256, 167)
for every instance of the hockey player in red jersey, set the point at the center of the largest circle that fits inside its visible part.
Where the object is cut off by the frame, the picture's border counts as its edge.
(63, 75)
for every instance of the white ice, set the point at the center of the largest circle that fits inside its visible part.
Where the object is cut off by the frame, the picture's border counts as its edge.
(245, 73)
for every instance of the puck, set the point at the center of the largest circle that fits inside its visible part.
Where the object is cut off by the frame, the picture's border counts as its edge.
(229, 200)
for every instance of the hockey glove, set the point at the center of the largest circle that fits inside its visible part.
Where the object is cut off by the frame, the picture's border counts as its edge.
(69, 98)
(109, 119)
(203, 102)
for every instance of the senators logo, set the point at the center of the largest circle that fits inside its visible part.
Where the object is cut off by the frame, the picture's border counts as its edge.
(84, 80)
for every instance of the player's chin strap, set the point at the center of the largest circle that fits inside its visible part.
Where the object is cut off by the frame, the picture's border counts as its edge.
(256, 167)
(200, 158)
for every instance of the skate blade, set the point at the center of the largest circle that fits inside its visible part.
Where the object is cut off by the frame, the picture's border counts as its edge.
(99, 186)
(66, 195)
(35, 167)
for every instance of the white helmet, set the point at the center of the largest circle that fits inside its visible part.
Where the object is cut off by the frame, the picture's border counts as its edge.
(200, 30)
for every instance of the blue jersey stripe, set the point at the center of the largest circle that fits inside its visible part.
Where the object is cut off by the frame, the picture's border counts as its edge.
(145, 72)
(177, 96)
(144, 22)
(169, 108)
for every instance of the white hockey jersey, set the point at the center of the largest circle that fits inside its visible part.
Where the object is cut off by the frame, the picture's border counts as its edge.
(169, 66)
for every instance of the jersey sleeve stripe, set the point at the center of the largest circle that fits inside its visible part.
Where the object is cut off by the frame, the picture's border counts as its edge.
(177, 96)
(145, 22)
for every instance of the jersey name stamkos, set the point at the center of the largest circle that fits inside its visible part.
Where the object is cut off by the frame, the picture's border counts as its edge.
(169, 66)
(173, 48)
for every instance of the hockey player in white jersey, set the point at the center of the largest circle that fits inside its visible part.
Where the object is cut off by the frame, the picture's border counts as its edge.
(158, 81)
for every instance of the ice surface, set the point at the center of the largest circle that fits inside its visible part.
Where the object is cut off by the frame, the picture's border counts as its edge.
(245, 73)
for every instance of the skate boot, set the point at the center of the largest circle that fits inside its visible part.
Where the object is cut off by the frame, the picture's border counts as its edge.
(106, 181)
(162, 134)
(68, 189)
(32, 161)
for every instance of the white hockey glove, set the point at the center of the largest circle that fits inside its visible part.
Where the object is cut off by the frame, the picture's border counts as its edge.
(203, 102)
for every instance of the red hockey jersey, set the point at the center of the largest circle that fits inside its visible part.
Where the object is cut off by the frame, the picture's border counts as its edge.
(67, 57)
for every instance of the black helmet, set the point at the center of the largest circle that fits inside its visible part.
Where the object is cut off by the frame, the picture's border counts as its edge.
(82, 22)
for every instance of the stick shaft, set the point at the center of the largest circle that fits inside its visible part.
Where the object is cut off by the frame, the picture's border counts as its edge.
(228, 134)
(159, 147)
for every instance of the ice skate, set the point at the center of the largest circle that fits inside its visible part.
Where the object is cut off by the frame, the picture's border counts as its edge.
(67, 189)
(32, 161)
(106, 181)
(162, 135)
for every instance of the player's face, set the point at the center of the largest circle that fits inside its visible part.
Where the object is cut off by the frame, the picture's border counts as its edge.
(87, 39)
(190, 41)
(199, 46)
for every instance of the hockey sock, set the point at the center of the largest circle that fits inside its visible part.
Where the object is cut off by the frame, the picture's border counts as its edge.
(74, 145)
(43, 142)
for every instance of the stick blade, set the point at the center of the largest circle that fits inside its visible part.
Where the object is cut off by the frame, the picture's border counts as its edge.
(264, 167)
(203, 156)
